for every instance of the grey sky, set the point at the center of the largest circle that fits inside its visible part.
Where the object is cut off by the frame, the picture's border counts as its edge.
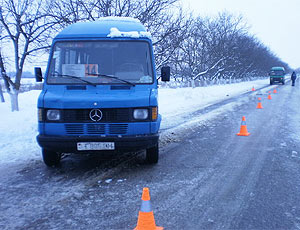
(275, 22)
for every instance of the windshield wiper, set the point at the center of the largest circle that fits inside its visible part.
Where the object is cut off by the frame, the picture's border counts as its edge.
(111, 77)
(74, 77)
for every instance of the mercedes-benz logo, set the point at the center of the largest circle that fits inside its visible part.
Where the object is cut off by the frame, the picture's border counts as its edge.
(96, 115)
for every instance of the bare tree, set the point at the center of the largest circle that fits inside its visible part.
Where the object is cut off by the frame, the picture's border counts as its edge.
(2, 69)
(3, 74)
(196, 52)
(27, 31)
(66, 12)
(221, 49)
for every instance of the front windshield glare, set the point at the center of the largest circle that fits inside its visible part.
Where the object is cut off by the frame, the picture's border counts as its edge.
(100, 63)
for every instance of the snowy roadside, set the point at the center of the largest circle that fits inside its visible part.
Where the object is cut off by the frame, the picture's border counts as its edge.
(18, 130)
(177, 103)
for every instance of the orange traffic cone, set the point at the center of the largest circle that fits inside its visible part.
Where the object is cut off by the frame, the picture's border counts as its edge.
(269, 96)
(274, 91)
(259, 106)
(253, 88)
(146, 217)
(243, 130)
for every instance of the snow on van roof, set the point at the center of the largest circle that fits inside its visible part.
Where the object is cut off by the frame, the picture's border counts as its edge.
(106, 27)
(114, 32)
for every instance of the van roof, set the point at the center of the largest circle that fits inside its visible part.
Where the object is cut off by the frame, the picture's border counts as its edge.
(105, 27)
(277, 68)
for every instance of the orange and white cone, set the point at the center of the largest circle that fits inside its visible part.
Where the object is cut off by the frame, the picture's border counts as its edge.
(253, 89)
(146, 219)
(269, 96)
(274, 91)
(243, 130)
(259, 105)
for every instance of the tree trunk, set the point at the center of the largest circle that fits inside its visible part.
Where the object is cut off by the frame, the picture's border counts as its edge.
(1, 94)
(14, 100)
(193, 83)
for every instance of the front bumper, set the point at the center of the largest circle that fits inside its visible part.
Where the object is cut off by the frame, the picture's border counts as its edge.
(68, 144)
(277, 79)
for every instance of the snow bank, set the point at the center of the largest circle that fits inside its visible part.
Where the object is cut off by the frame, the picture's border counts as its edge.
(18, 130)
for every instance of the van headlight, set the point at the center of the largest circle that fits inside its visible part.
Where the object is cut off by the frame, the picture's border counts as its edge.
(140, 114)
(53, 115)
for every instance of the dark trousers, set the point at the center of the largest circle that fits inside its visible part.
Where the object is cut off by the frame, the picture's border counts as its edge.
(293, 82)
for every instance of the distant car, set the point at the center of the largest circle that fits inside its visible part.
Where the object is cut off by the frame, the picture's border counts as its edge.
(277, 74)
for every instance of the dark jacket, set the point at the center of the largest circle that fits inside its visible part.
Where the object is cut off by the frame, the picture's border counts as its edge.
(294, 76)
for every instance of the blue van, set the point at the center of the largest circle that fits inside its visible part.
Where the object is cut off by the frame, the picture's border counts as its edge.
(100, 91)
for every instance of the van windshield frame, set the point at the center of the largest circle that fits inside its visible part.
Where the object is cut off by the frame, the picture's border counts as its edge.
(277, 72)
(89, 61)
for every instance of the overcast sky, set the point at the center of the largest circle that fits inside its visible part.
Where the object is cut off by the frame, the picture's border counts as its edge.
(275, 22)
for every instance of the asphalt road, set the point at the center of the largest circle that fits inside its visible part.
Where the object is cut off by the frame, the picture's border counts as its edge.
(207, 178)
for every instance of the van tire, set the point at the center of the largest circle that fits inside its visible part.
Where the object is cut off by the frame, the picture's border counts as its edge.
(51, 158)
(152, 155)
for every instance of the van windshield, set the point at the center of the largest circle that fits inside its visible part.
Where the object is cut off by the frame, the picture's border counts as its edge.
(277, 73)
(100, 62)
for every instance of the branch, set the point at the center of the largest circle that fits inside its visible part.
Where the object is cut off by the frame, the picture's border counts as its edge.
(209, 69)
(5, 25)
(7, 79)
(37, 49)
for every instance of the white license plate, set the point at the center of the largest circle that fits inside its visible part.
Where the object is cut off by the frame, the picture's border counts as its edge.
(81, 146)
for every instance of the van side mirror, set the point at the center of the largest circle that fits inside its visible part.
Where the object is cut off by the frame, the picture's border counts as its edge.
(38, 74)
(165, 73)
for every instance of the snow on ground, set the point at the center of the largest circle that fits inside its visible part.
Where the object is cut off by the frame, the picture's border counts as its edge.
(174, 104)
(18, 130)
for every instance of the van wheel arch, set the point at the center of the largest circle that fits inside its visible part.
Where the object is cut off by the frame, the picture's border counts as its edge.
(51, 158)
(152, 154)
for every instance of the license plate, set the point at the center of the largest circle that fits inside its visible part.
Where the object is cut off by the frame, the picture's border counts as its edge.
(95, 146)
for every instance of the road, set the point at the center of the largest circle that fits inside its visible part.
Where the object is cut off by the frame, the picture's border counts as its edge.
(207, 177)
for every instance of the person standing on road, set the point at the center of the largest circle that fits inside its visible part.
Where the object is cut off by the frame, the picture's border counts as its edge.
(293, 77)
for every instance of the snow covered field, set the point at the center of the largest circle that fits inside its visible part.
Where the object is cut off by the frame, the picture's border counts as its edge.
(18, 130)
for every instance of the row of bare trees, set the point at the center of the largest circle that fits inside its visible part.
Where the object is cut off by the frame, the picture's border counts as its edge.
(195, 48)
(221, 48)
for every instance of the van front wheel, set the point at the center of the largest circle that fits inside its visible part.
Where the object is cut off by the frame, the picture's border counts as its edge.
(152, 155)
(51, 158)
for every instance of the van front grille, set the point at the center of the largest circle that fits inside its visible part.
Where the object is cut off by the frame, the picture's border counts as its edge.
(74, 129)
(96, 129)
(108, 115)
(118, 128)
